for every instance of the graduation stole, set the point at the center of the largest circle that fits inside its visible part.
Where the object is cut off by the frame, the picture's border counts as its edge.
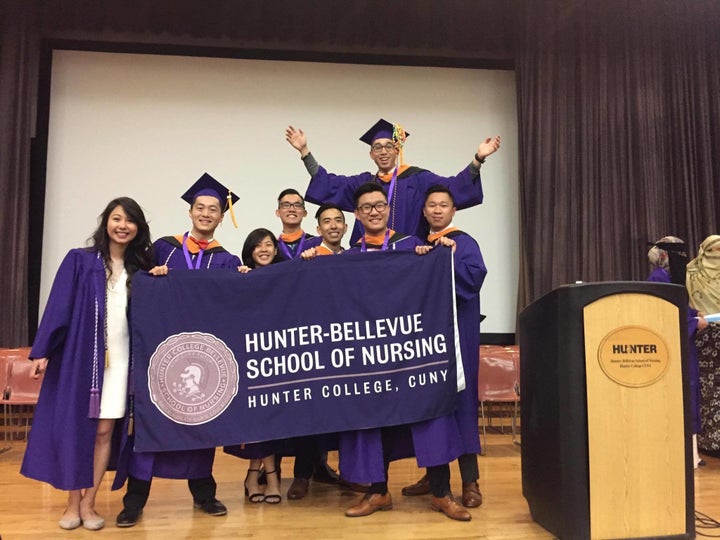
(322, 249)
(192, 246)
(376, 240)
(286, 239)
(434, 236)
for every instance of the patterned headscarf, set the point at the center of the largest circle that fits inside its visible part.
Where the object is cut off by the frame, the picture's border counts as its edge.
(703, 277)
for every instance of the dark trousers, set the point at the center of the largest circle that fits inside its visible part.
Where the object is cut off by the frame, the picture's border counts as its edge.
(138, 491)
(468, 468)
(439, 478)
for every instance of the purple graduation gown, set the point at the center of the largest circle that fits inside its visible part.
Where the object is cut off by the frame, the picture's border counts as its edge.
(660, 275)
(434, 442)
(470, 273)
(181, 464)
(408, 198)
(296, 248)
(61, 445)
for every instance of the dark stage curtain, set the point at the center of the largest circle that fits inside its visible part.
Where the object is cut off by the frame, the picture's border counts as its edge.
(18, 67)
(619, 124)
(618, 107)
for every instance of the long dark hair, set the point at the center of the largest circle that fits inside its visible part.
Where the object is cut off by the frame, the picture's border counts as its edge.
(138, 255)
(252, 240)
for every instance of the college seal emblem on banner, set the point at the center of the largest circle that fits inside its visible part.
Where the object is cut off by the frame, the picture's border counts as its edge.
(192, 377)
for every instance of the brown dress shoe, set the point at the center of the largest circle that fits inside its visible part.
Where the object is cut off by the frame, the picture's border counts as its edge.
(471, 497)
(448, 506)
(421, 487)
(298, 488)
(370, 503)
(353, 486)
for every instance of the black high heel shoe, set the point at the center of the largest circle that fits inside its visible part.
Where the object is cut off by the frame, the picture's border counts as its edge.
(253, 497)
(272, 499)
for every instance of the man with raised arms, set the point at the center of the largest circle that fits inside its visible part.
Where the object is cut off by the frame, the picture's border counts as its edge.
(405, 184)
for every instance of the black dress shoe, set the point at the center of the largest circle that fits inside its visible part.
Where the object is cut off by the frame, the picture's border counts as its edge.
(128, 517)
(325, 474)
(213, 507)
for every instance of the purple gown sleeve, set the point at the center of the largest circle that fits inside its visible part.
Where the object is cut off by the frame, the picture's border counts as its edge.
(470, 270)
(56, 318)
(328, 188)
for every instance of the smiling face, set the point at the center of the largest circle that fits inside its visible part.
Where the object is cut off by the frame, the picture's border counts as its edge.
(332, 226)
(373, 212)
(291, 211)
(206, 214)
(264, 252)
(121, 229)
(384, 153)
(439, 210)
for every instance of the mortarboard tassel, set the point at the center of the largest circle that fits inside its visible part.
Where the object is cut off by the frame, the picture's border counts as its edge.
(399, 137)
(230, 207)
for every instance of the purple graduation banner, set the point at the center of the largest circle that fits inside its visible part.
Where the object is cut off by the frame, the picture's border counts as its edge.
(298, 348)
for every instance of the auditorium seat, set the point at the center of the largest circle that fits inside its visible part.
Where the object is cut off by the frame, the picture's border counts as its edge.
(498, 382)
(21, 392)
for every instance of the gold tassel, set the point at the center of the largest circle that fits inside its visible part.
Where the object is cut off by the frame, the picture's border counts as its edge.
(131, 425)
(399, 136)
(107, 359)
(232, 212)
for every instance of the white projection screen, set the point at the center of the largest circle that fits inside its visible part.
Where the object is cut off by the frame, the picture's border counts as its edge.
(146, 126)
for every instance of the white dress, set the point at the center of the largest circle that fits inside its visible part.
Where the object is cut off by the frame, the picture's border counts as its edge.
(114, 391)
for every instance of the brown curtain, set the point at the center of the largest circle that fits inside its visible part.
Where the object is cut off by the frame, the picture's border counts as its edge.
(619, 135)
(18, 65)
(618, 106)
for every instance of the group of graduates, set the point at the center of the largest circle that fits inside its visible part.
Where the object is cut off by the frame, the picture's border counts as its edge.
(83, 420)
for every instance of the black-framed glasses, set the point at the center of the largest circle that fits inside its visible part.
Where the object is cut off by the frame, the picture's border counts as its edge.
(367, 208)
(377, 147)
(289, 205)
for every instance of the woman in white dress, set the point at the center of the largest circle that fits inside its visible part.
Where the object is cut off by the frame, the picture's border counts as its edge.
(86, 316)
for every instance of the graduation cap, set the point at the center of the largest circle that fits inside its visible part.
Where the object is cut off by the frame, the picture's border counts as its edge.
(385, 130)
(207, 185)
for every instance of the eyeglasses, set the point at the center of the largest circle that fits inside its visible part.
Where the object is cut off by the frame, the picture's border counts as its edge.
(289, 205)
(367, 208)
(442, 206)
(377, 148)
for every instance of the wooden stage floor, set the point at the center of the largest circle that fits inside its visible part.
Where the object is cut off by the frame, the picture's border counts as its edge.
(30, 509)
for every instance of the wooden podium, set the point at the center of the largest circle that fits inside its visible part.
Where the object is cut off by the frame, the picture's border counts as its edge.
(606, 431)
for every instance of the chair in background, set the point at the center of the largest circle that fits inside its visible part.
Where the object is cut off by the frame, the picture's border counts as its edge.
(21, 392)
(498, 382)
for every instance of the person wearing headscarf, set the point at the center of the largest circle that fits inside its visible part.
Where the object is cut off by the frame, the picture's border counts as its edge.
(668, 256)
(703, 276)
(703, 284)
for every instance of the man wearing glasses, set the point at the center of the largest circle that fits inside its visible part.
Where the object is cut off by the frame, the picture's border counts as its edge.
(365, 454)
(405, 185)
(293, 240)
(373, 211)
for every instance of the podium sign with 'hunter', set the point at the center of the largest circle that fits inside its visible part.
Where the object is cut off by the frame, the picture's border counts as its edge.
(298, 348)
